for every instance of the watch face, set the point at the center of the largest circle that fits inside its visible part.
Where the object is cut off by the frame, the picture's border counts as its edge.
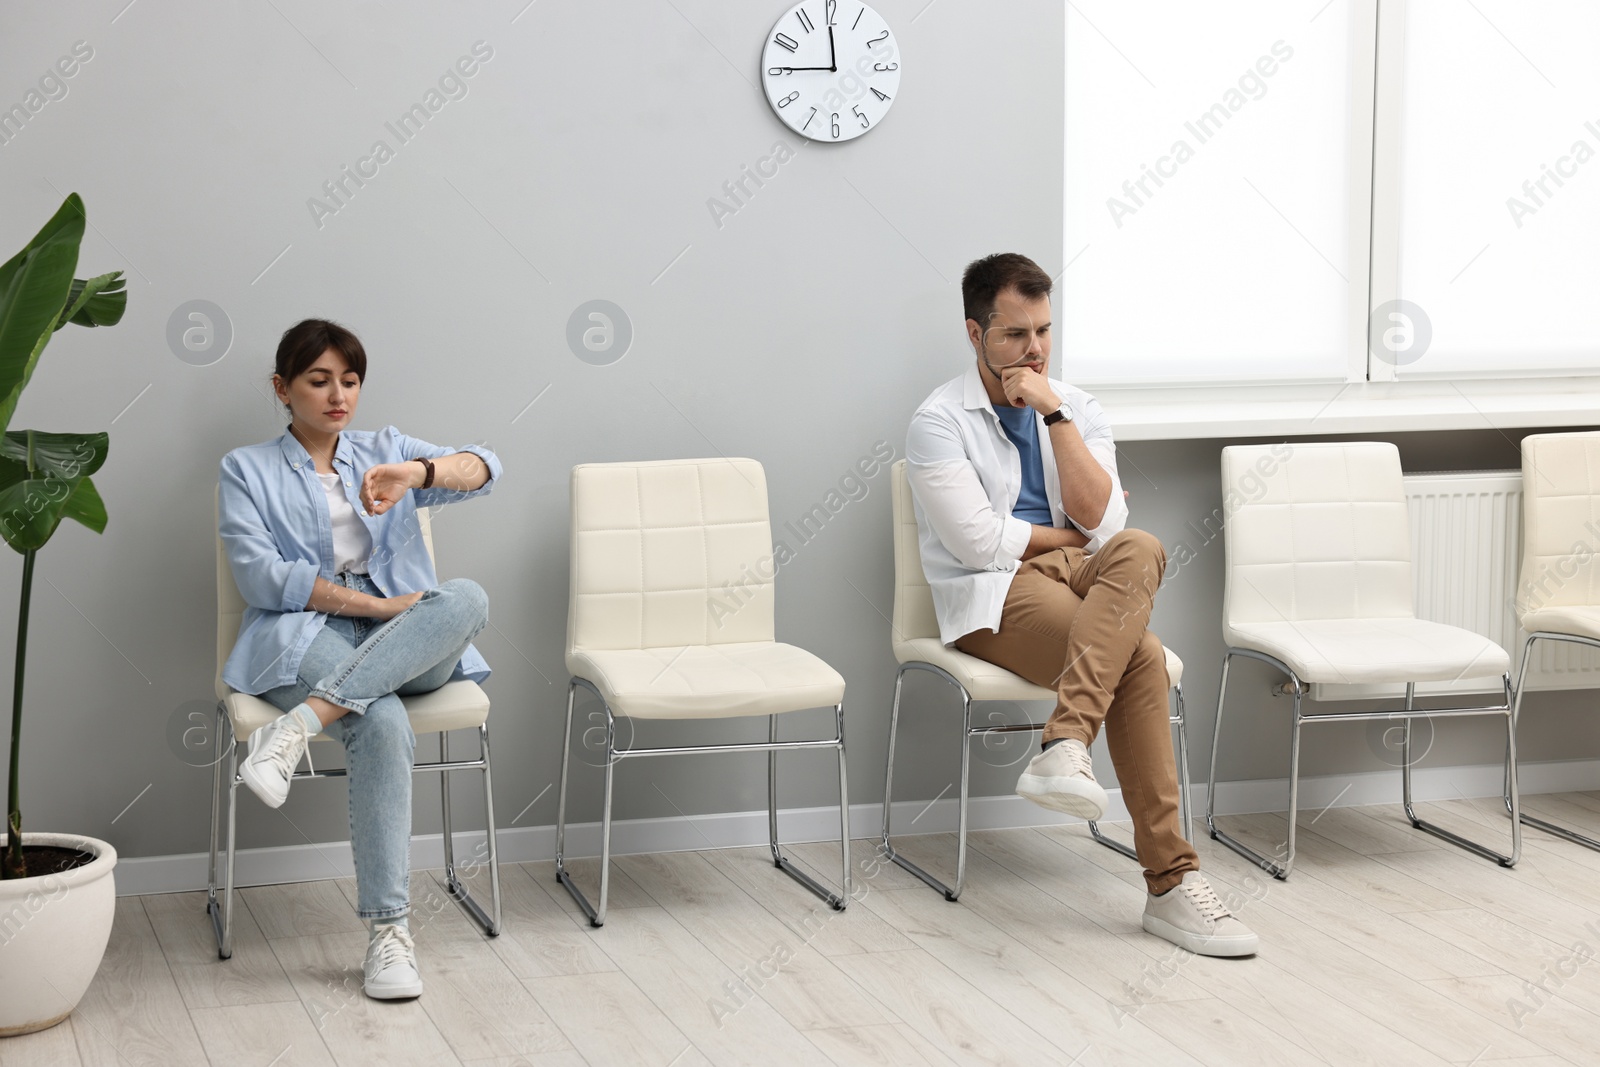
(831, 69)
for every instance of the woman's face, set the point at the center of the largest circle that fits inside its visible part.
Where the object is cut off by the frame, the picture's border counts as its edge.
(323, 398)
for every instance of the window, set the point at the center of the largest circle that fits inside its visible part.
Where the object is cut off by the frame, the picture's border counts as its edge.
(1499, 186)
(1250, 188)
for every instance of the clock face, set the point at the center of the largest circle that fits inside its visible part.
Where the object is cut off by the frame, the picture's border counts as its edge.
(831, 69)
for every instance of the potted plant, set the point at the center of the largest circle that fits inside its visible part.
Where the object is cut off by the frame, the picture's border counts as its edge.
(57, 891)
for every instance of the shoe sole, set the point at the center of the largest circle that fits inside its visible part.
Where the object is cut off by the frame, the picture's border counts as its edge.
(1039, 790)
(259, 787)
(1200, 944)
(410, 992)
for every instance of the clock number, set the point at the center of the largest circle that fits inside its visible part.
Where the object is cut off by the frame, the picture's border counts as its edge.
(880, 96)
(791, 98)
(836, 124)
(805, 20)
(809, 118)
(857, 22)
(832, 8)
(885, 66)
(859, 115)
(786, 41)
(784, 70)
(875, 40)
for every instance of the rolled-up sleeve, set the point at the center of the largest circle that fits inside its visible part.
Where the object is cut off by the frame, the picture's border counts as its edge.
(265, 579)
(1096, 430)
(946, 485)
(436, 496)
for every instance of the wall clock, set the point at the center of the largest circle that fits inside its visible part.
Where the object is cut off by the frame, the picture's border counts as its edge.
(831, 69)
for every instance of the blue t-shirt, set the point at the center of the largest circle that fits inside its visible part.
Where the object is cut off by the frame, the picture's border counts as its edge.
(1021, 426)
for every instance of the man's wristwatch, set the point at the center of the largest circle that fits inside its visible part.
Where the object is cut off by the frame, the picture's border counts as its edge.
(1060, 414)
(427, 477)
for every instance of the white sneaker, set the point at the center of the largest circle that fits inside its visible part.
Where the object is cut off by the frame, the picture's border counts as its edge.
(391, 967)
(1061, 778)
(1190, 916)
(275, 751)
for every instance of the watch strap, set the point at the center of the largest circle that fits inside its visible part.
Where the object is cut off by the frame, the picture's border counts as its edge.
(427, 478)
(1060, 414)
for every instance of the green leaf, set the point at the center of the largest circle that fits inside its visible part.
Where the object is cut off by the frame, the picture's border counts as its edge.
(99, 301)
(30, 509)
(85, 506)
(39, 488)
(61, 455)
(34, 287)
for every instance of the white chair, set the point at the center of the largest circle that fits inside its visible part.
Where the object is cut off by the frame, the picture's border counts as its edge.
(915, 636)
(1558, 594)
(458, 705)
(670, 616)
(1318, 584)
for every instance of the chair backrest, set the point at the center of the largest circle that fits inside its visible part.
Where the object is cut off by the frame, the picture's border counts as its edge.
(670, 553)
(1315, 530)
(914, 616)
(231, 605)
(1560, 521)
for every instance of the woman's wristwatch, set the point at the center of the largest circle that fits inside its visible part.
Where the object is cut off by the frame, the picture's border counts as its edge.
(427, 478)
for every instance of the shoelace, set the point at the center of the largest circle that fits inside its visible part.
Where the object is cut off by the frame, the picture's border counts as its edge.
(393, 946)
(1205, 900)
(291, 736)
(1081, 763)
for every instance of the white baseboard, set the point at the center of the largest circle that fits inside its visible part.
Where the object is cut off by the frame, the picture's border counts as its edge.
(304, 863)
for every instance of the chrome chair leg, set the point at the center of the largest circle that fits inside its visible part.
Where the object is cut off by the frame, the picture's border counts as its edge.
(220, 910)
(493, 926)
(562, 875)
(451, 884)
(844, 808)
(1184, 785)
(836, 901)
(950, 893)
(225, 942)
(1437, 831)
(596, 913)
(1278, 871)
(454, 886)
(1562, 832)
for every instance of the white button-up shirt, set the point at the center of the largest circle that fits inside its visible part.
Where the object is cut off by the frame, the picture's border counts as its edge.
(965, 477)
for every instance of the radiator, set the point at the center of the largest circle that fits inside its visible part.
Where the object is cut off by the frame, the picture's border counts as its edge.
(1466, 552)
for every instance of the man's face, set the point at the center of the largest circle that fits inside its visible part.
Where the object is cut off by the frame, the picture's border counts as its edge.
(1016, 335)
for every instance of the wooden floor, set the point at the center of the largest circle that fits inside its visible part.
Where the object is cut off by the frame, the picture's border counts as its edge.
(1386, 946)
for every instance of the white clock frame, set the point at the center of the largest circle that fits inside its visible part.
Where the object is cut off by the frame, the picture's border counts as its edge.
(830, 91)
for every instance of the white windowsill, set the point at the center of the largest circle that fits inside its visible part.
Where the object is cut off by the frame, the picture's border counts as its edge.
(1168, 413)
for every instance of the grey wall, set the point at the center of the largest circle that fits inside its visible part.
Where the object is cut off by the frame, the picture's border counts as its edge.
(800, 331)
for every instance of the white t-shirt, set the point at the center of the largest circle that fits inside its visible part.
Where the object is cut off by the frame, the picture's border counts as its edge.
(352, 544)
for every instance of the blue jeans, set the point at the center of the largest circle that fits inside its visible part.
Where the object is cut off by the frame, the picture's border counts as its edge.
(366, 665)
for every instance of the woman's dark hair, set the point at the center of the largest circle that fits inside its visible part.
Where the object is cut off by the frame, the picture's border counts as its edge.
(986, 278)
(304, 342)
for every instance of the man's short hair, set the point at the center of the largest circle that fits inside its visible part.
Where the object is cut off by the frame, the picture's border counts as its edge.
(986, 278)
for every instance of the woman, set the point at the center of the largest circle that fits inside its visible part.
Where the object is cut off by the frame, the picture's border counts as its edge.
(345, 612)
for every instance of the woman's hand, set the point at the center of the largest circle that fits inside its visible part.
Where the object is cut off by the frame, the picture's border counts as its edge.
(394, 605)
(383, 486)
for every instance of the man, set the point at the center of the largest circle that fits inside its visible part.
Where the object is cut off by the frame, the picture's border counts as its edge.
(1021, 521)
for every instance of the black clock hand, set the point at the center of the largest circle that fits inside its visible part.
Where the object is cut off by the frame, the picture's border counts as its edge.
(801, 68)
(833, 61)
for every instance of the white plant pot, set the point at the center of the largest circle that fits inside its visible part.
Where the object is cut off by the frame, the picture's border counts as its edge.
(53, 933)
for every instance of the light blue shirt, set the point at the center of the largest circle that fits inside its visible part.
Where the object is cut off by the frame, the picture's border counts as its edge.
(273, 518)
(1033, 505)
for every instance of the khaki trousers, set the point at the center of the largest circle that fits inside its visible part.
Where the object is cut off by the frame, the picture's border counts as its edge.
(1077, 623)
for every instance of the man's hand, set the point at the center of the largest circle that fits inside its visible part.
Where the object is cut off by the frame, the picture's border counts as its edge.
(383, 486)
(1026, 387)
